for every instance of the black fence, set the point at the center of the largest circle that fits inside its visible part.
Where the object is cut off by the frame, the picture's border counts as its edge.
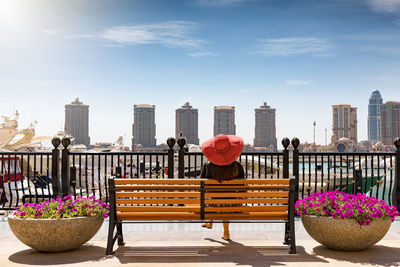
(36, 176)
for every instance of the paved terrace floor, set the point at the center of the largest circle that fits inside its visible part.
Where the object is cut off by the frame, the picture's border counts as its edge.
(176, 245)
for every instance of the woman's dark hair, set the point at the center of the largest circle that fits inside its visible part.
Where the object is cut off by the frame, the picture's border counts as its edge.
(224, 172)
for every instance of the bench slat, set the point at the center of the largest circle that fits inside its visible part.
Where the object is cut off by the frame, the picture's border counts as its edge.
(196, 216)
(248, 194)
(247, 187)
(246, 209)
(158, 209)
(249, 216)
(157, 181)
(158, 216)
(248, 201)
(197, 181)
(193, 208)
(193, 187)
(197, 194)
(157, 187)
(158, 201)
(248, 181)
(157, 194)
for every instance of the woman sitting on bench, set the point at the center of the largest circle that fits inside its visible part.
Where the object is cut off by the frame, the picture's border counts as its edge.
(222, 152)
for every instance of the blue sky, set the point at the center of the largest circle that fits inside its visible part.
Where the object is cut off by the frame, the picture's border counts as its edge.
(300, 57)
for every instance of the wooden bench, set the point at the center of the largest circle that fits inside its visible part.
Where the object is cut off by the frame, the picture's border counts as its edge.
(199, 200)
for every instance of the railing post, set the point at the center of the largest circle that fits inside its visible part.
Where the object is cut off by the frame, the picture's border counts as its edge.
(181, 162)
(118, 172)
(55, 166)
(65, 166)
(285, 143)
(295, 164)
(396, 197)
(72, 178)
(357, 188)
(171, 143)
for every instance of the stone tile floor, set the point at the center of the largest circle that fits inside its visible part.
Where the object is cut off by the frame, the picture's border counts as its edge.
(176, 245)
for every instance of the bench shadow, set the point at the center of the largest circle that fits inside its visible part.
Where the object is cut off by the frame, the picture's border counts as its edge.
(86, 253)
(257, 256)
(376, 255)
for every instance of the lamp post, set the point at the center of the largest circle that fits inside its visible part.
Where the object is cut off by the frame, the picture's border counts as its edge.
(315, 123)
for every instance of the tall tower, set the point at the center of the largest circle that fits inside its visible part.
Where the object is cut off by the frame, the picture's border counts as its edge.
(77, 122)
(224, 120)
(390, 127)
(374, 116)
(144, 126)
(187, 122)
(345, 122)
(265, 129)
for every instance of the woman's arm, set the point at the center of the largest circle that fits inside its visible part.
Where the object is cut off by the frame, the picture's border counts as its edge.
(240, 170)
(205, 171)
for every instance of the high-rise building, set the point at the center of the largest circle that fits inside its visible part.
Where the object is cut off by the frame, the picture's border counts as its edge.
(187, 123)
(374, 116)
(265, 129)
(144, 126)
(224, 120)
(345, 122)
(77, 122)
(390, 122)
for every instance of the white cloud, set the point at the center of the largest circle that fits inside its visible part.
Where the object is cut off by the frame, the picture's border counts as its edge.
(52, 32)
(64, 35)
(203, 54)
(384, 5)
(291, 46)
(221, 2)
(174, 33)
(324, 55)
(171, 33)
(297, 83)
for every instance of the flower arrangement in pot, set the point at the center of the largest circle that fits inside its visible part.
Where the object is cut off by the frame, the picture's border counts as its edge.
(58, 224)
(344, 221)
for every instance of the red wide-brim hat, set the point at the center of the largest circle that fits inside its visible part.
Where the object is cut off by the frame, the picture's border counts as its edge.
(223, 149)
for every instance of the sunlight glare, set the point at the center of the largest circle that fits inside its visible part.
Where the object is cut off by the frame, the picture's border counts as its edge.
(10, 12)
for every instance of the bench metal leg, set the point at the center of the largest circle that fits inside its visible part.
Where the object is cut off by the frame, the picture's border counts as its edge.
(292, 197)
(286, 235)
(120, 235)
(292, 238)
(110, 238)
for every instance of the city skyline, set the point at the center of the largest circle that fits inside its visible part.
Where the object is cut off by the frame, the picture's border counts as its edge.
(344, 123)
(129, 141)
(301, 57)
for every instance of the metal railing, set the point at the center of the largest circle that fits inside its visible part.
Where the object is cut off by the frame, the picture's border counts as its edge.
(24, 177)
(36, 176)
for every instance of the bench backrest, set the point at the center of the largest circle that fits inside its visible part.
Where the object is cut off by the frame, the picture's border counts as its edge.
(200, 199)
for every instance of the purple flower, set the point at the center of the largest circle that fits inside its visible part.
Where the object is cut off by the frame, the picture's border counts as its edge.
(342, 205)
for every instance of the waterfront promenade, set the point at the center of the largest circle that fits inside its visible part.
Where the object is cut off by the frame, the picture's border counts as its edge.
(190, 245)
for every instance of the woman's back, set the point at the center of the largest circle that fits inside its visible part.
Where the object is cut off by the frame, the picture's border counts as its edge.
(220, 173)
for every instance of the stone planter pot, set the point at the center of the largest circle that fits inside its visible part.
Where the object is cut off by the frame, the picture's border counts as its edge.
(54, 235)
(345, 234)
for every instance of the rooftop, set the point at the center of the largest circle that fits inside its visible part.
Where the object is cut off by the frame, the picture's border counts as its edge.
(224, 107)
(144, 106)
